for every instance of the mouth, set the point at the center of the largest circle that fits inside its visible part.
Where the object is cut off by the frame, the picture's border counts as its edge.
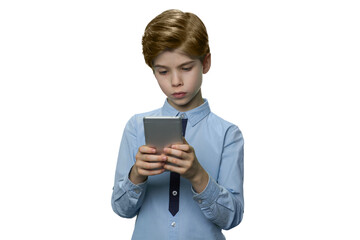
(179, 94)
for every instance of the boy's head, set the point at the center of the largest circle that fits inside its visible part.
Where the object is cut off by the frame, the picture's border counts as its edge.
(174, 29)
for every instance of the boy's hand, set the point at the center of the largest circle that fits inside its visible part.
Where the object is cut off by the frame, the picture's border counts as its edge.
(147, 164)
(187, 165)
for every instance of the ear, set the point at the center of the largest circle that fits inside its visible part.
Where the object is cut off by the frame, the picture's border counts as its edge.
(206, 63)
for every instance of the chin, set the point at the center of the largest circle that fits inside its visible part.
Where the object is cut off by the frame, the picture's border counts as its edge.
(180, 102)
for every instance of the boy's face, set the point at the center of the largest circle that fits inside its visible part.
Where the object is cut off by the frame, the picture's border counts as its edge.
(180, 78)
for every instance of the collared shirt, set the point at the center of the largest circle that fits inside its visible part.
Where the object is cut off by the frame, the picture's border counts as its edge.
(219, 147)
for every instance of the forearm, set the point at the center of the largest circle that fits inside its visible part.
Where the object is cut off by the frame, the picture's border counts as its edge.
(220, 206)
(127, 198)
(200, 181)
(135, 177)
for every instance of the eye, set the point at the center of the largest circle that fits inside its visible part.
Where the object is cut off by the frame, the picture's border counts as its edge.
(162, 72)
(187, 68)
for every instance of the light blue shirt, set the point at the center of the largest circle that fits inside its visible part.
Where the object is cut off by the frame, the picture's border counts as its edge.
(219, 147)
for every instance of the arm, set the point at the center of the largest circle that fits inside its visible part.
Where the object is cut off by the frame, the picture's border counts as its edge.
(130, 178)
(127, 197)
(222, 202)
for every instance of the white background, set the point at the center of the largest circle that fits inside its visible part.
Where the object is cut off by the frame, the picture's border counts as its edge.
(286, 72)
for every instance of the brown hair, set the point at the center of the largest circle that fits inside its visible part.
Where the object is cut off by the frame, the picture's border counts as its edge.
(174, 29)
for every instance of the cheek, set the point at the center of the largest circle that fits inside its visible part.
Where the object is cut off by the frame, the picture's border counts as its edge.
(196, 81)
(163, 85)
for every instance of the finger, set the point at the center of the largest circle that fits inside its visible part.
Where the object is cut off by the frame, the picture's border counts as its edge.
(174, 168)
(147, 149)
(149, 165)
(175, 161)
(146, 172)
(174, 152)
(152, 158)
(182, 147)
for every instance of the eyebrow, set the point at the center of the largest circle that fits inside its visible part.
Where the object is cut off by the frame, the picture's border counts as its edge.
(183, 64)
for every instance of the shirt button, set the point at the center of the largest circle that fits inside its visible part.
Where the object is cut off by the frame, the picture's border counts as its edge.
(173, 224)
(182, 115)
(174, 193)
(137, 191)
(200, 201)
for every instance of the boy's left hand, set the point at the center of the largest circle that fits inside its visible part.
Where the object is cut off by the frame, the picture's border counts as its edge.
(187, 165)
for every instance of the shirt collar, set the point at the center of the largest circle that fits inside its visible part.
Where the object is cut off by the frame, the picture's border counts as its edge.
(194, 116)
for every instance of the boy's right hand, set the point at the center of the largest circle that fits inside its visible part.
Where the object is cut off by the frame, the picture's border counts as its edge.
(147, 164)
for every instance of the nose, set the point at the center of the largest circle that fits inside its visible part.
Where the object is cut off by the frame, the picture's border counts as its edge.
(176, 80)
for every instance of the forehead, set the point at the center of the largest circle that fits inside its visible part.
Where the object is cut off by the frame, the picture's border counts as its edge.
(172, 58)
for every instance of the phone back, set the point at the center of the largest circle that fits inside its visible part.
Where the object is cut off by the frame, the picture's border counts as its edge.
(161, 132)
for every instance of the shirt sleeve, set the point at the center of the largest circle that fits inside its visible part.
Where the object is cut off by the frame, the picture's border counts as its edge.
(127, 197)
(222, 201)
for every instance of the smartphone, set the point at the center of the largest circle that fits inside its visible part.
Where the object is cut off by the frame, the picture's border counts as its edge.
(161, 132)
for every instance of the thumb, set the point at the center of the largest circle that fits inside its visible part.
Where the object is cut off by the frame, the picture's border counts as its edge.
(184, 141)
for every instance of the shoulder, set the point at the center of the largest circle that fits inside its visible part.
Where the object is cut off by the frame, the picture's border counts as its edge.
(217, 121)
(224, 127)
(135, 125)
(137, 119)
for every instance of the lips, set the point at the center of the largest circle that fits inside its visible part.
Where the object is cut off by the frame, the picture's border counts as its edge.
(179, 94)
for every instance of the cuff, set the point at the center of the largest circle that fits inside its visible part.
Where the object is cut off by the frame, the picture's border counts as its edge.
(132, 189)
(209, 195)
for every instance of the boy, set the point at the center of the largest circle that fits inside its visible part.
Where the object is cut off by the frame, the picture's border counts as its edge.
(201, 192)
